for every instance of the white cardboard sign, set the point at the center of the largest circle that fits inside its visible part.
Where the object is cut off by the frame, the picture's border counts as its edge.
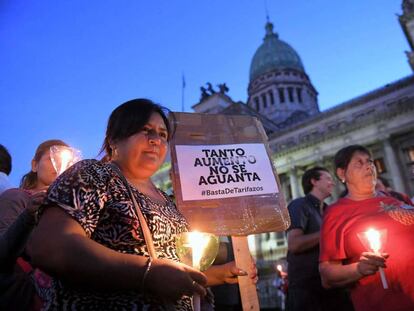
(224, 171)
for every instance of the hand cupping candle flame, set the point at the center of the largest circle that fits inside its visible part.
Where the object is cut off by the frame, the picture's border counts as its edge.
(198, 250)
(63, 157)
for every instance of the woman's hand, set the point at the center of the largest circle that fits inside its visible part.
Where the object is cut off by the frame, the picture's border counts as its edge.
(171, 280)
(369, 263)
(228, 273)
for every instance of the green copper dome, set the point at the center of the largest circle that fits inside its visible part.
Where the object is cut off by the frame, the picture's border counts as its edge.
(274, 54)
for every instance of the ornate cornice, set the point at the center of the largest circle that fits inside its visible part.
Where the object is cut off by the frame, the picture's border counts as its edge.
(299, 140)
(355, 102)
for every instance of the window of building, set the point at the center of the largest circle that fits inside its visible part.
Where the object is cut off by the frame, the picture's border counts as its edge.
(281, 95)
(256, 101)
(272, 99)
(264, 100)
(290, 94)
(380, 165)
(299, 93)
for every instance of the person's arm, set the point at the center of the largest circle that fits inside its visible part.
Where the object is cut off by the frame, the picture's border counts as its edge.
(60, 247)
(13, 241)
(16, 230)
(336, 274)
(12, 203)
(299, 242)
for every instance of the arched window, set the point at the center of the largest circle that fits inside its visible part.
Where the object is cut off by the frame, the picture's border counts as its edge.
(281, 94)
(264, 100)
(290, 94)
(299, 93)
(256, 101)
(272, 99)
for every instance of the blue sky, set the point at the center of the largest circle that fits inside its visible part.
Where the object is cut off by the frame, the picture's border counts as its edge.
(65, 65)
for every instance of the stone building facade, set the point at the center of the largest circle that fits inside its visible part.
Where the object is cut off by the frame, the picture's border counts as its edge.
(281, 95)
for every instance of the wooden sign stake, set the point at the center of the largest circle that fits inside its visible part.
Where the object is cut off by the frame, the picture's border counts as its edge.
(248, 291)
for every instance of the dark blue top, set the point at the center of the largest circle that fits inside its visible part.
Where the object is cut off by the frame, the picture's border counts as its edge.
(303, 268)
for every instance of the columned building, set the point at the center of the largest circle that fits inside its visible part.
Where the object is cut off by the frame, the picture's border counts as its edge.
(279, 86)
(282, 97)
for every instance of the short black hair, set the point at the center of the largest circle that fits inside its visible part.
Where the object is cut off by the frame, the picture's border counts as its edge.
(313, 173)
(344, 155)
(5, 160)
(129, 118)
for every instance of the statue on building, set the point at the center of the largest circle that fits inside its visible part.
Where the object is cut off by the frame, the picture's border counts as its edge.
(210, 88)
(208, 91)
(223, 88)
(204, 93)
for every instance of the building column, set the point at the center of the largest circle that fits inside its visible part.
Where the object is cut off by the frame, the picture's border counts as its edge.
(392, 165)
(294, 185)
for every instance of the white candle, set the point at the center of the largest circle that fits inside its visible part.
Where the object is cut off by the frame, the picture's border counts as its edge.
(198, 243)
(374, 238)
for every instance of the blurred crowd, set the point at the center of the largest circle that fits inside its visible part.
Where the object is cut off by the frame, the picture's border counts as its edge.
(98, 234)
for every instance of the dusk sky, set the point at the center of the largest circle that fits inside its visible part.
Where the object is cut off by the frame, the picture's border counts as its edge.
(66, 65)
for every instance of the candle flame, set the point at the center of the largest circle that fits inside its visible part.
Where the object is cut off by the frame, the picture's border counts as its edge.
(279, 268)
(198, 242)
(66, 157)
(374, 238)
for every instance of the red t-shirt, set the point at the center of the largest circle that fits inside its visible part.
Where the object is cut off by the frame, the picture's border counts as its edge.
(342, 223)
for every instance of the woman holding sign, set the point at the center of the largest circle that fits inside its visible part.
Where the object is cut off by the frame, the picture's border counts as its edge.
(91, 236)
(366, 239)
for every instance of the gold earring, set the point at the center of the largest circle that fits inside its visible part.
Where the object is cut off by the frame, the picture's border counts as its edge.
(114, 151)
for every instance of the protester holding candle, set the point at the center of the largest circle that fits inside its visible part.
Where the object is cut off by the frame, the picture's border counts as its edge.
(18, 210)
(90, 239)
(345, 260)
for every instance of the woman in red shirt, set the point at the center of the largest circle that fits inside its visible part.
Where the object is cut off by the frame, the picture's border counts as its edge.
(345, 260)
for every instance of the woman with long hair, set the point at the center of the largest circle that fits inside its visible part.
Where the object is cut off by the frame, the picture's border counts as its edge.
(18, 212)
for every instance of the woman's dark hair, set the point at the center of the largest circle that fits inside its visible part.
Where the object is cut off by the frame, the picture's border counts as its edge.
(130, 118)
(344, 156)
(29, 180)
(5, 160)
(313, 173)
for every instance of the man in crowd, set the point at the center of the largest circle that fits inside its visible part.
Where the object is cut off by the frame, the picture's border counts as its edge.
(305, 288)
(5, 169)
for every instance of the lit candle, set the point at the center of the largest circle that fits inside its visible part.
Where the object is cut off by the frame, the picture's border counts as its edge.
(63, 157)
(198, 242)
(374, 238)
(66, 157)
